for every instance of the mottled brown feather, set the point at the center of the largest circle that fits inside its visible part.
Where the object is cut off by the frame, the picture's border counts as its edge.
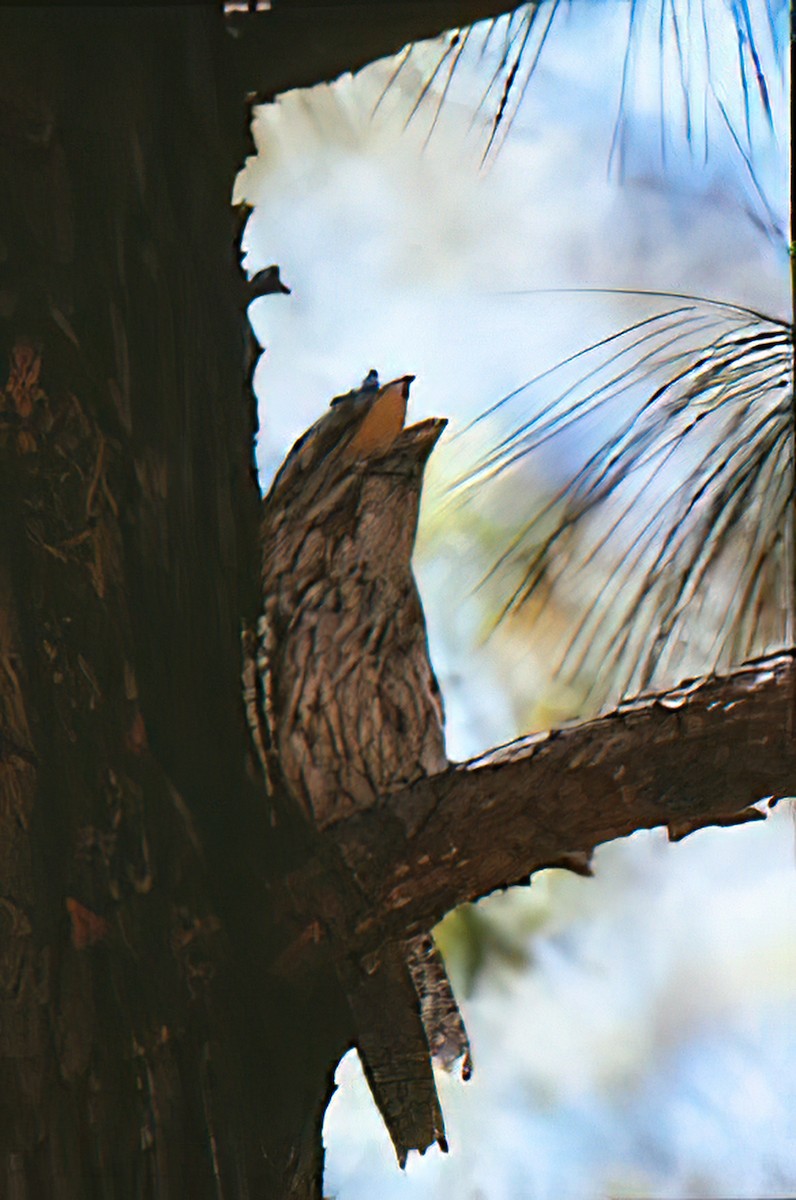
(354, 709)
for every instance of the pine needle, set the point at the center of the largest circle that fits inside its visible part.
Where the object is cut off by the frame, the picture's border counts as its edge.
(680, 504)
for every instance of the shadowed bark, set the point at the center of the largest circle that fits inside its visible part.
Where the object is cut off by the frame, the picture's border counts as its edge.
(128, 513)
(299, 43)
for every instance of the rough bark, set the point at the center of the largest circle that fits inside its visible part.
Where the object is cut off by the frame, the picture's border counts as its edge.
(706, 753)
(102, 879)
(127, 497)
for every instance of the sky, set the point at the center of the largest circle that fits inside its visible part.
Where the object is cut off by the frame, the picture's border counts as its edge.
(403, 255)
(647, 1048)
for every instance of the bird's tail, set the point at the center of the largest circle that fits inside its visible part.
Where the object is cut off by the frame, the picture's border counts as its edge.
(445, 1031)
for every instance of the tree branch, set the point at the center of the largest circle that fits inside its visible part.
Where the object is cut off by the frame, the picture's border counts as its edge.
(299, 43)
(701, 754)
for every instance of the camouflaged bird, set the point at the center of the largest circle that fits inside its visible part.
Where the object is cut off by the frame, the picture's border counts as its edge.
(353, 712)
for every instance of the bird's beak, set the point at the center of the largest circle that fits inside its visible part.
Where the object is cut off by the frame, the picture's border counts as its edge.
(384, 420)
(424, 436)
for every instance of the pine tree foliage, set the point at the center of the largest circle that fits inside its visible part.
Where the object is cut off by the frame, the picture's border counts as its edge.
(672, 533)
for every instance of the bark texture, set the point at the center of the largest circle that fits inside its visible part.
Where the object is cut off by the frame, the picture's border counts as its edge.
(715, 751)
(126, 495)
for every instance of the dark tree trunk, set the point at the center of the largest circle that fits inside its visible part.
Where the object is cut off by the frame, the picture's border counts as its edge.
(128, 560)
(145, 1050)
(167, 1024)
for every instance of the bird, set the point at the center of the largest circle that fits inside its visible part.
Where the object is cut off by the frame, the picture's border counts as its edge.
(353, 712)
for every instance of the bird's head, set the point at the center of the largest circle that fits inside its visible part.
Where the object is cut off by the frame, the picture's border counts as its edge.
(362, 433)
(358, 469)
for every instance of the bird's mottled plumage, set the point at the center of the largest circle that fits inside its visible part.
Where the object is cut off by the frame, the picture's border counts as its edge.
(359, 709)
(353, 709)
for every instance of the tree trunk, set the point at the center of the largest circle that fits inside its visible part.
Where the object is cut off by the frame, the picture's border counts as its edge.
(131, 973)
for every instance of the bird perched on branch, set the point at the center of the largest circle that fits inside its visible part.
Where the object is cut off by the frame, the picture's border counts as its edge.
(353, 713)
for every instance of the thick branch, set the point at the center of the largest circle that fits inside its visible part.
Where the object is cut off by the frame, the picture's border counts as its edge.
(702, 754)
(299, 43)
(699, 755)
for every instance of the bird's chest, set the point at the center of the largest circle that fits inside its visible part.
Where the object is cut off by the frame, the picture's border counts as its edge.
(356, 704)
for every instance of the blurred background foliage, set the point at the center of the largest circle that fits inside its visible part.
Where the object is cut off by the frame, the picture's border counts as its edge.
(570, 224)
